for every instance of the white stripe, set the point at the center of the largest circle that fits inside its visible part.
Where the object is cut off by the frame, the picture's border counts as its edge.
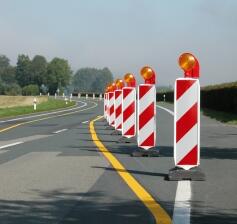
(56, 132)
(146, 131)
(146, 100)
(167, 110)
(118, 121)
(9, 145)
(182, 207)
(129, 98)
(128, 123)
(185, 144)
(187, 100)
(84, 122)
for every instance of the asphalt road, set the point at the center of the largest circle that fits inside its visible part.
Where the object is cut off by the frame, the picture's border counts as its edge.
(52, 172)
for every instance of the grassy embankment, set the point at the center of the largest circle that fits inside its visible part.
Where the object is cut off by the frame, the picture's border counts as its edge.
(13, 106)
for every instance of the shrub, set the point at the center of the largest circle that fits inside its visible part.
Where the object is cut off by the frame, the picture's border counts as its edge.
(30, 90)
(12, 90)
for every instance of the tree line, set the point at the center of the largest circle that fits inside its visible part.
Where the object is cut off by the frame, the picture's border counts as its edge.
(32, 76)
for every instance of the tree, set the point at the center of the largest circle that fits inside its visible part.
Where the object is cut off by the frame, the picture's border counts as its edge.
(30, 90)
(7, 72)
(91, 79)
(38, 70)
(58, 74)
(23, 75)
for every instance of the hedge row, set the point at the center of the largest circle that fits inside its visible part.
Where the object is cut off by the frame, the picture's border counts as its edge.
(219, 97)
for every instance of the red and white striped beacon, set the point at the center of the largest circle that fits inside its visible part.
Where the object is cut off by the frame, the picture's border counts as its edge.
(187, 114)
(147, 110)
(118, 105)
(111, 104)
(129, 106)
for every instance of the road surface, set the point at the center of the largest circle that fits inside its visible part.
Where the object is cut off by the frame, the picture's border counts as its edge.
(51, 171)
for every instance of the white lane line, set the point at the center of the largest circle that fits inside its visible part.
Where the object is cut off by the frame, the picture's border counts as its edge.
(182, 209)
(182, 206)
(167, 110)
(43, 114)
(9, 145)
(84, 122)
(56, 132)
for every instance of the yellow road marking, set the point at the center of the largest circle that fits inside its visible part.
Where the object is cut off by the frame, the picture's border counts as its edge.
(160, 215)
(45, 118)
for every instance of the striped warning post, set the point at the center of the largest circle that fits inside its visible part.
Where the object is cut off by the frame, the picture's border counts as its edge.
(118, 109)
(111, 108)
(105, 105)
(187, 123)
(146, 116)
(129, 112)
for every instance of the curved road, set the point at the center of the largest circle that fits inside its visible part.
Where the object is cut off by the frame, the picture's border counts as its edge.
(52, 172)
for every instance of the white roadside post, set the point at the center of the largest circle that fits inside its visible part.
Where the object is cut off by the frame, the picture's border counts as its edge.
(79, 95)
(48, 94)
(66, 100)
(164, 97)
(100, 96)
(40, 94)
(55, 95)
(86, 96)
(34, 103)
(63, 95)
(93, 96)
(70, 97)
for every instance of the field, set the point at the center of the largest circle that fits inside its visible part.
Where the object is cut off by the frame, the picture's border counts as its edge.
(13, 106)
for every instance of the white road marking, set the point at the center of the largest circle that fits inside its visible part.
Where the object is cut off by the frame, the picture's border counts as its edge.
(84, 122)
(9, 145)
(56, 132)
(182, 208)
(43, 114)
(167, 110)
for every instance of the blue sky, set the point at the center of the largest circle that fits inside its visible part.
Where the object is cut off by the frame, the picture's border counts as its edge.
(124, 35)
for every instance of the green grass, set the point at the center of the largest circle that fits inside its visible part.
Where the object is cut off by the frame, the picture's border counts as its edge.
(51, 104)
(221, 116)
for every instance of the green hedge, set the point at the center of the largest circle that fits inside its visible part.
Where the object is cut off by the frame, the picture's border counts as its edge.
(221, 97)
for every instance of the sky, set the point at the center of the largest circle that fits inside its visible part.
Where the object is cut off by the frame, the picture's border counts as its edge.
(125, 35)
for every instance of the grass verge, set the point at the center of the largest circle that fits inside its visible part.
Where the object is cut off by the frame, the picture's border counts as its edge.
(49, 105)
(221, 116)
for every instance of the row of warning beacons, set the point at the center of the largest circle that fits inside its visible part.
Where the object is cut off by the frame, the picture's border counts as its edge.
(131, 111)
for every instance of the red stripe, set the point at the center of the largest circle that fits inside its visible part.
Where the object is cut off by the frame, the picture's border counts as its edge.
(146, 115)
(111, 111)
(118, 93)
(118, 111)
(186, 122)
(143, 90)
(120, 126)
(128, 111)
(111, 94)
(182, 86)
(130, 131)
(191, 158)
(150, 141)
(126, 92)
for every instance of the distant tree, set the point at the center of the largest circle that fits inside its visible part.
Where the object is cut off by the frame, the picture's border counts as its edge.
(38, 70)
(91, 79)
(4, 63)
(58, 74)
(7, 72)
(23, 75)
